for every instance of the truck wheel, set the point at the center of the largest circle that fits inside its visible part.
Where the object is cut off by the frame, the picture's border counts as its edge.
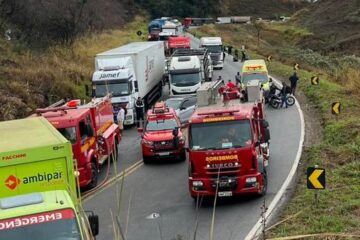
(146, 160)
(94, 176)
(265, 183)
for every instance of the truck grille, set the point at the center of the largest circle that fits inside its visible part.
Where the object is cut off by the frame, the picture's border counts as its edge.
(226, 183)
(162, 145)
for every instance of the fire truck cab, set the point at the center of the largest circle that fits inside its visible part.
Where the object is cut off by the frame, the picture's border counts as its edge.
(91, 131)
(162, 136)
(228, 148)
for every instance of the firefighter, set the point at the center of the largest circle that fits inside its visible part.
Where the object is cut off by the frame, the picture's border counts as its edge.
(139, 107)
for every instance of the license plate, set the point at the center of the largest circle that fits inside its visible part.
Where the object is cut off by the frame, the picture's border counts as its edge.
(164, 153)
(225, 194)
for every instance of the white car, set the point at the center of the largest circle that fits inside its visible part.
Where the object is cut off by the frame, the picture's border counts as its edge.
(183, 106)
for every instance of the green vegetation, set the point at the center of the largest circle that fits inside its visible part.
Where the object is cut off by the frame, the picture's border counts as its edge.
(31, 79)
(338, 210)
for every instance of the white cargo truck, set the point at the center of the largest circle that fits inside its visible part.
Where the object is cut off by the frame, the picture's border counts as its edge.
(215, 47)
(188, 68)
(128, 72)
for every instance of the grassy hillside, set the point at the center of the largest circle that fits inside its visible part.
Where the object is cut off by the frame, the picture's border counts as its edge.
(31, 79)
(335, 23)
(337, 150)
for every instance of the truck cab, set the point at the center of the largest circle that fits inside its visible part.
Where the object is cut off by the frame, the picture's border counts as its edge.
(161, 136)
(178, 43)
(45, 215)
(91, 131)
(187, 70)
(215, 47)
(228, 148)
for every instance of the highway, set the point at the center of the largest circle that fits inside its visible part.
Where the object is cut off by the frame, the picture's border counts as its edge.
(156, 204)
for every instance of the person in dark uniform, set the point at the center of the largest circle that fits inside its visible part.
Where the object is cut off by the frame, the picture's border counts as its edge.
(139, 108)
(293, 82)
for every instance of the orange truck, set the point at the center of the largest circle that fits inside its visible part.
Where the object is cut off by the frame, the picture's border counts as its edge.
(91, 130)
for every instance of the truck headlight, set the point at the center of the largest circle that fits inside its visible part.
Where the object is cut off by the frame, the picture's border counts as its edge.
(198, 185)
(148, 143)
(251, 180)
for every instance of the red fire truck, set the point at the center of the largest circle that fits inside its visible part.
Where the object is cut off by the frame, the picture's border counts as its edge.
(178, 43)
(91, 130)
(162, 136)
(228, 147)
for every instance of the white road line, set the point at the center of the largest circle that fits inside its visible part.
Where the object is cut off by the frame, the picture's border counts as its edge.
(253, 234)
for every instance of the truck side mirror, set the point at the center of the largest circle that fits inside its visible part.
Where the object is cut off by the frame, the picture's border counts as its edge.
(267, 135)
(140, 130)
(175, 132)
(265, 124)
(94, 224)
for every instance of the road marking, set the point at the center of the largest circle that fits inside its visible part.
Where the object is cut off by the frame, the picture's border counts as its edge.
(113, 180)
(253, 234)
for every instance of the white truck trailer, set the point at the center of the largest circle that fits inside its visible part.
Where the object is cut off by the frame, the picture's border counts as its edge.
(215, 47)
(128, 72)
(188, 69)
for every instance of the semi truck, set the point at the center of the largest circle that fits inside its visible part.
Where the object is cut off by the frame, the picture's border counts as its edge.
(228, 143)
(38, 194)
(128, 72)
(91, 130)
(188, 68)
(215, 47)
(154, 29)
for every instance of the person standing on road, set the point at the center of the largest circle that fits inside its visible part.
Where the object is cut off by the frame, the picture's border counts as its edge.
(238, 78)
(230, 84)
(284, 95)
(139, 108)
(293, 82)
(120, 118)
(243, 56)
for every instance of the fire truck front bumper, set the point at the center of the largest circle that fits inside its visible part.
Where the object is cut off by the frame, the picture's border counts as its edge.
(227, 186)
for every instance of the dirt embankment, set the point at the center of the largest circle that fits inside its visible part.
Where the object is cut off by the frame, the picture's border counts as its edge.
(335, 24)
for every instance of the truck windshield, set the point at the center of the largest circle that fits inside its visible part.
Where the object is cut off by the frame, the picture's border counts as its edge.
(214, 48)
(220, 135)
(185, 79)
(56, 225)
(262, 77)
(163, 124)
(117, 89)
(69, 133)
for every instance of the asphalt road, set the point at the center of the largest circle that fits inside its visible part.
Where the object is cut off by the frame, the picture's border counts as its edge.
(155, 202)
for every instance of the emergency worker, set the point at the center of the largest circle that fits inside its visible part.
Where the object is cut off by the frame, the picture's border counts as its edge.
(139, 108)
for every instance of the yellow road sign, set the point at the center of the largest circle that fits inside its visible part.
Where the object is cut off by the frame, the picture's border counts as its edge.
(269, 58)
(296, 66)
(315, 178)
(314, 80)
(335, 108)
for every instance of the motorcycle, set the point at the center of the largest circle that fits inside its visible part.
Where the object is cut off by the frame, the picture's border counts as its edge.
(274, 100)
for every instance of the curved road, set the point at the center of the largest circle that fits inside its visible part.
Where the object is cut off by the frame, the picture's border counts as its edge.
(156, 204)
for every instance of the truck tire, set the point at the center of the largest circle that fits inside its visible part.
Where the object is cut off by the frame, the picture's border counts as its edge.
(146, 160)
(94, 175)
